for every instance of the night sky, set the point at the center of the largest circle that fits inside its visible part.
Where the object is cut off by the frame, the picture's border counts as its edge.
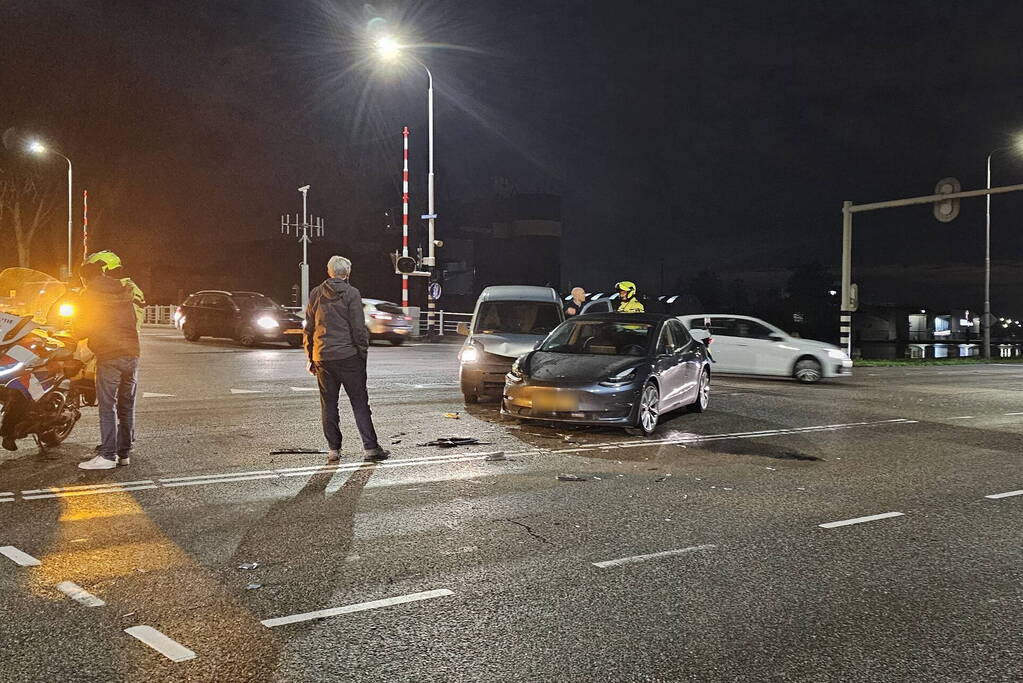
(715, 136)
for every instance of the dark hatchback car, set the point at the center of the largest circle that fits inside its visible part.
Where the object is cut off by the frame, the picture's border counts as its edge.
(247, 317)
(623, 369)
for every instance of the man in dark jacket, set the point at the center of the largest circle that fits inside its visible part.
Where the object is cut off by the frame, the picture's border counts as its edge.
(336, 344)
(106, 317)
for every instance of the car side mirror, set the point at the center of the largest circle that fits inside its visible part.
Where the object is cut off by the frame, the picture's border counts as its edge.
(536, 346)
(462, 329)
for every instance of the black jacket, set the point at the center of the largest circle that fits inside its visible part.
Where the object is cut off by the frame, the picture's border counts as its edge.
(106, 318)
(335, 325)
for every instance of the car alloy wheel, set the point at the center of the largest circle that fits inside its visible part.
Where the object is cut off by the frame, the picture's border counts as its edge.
(703, 394)
(808, 371)
(191, 334)
(247, 337)
(648, 407)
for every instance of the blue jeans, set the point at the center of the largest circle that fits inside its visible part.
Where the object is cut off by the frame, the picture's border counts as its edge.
(116, 383)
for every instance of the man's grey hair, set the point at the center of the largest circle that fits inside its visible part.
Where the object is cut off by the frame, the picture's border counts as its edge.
(339, 267)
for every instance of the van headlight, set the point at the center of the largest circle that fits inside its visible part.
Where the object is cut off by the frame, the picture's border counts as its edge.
(267, 323)
(469, 354)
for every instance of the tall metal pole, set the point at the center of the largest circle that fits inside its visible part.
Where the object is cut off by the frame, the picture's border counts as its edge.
(987, 266)
(431, 260)
(69, 217)
(845, 319)
(404, 216)
(85, 224)
(305, 246)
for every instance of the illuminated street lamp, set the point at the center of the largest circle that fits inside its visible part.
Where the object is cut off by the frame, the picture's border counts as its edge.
(38, 148)
(1018, 147)
(388, 48)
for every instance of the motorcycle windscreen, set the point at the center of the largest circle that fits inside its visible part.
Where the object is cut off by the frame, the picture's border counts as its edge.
(27, 292)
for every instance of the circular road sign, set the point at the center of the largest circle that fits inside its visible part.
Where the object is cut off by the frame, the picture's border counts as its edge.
(435, 290)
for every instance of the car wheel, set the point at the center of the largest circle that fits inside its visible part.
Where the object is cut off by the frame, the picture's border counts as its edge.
(647, 412)
(471, 398)
(295, 343)
(191, 334)
(397, 341)
(247, 337)
(703, 394)
(808, 371)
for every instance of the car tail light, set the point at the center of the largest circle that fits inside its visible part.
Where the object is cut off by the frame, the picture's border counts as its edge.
(380, 316)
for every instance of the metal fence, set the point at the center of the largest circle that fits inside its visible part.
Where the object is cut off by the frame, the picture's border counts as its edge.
(445, 323)
(159, 315)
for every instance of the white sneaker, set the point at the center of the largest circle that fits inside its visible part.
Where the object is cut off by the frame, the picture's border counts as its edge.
(98, 463)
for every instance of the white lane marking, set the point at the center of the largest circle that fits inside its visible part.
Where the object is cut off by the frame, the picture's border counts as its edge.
(92, 492)
(245, 391)
(963, 417)
(229, 480)
(151, 394)
(652, 556)
(996, 496)
(304, 388)
(55, 489)
(169, 648)
(166, 480)
(18, 557)
(359, 607)
(860, 520)
(79, 594)
(1012, 413)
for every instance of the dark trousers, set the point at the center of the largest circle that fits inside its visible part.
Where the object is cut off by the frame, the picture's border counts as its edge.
(116, 383)
(349, 373)
(15, 407)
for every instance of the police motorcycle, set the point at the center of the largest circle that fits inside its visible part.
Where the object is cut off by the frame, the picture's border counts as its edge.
(41, 384)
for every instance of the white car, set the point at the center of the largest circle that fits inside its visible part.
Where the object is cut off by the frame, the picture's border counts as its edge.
(749, 346)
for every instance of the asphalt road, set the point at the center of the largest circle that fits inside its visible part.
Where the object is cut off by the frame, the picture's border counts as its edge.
(697, 555)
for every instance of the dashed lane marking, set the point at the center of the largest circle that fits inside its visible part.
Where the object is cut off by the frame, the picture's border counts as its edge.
(963, 417)
(652, 556)
(1008, 494)
(860, 520)
(1012, 413)
(304, 388)
(79, 594)
(169, 648)
(19, 557)
(245, 391)
(359, 607)
(150, 394)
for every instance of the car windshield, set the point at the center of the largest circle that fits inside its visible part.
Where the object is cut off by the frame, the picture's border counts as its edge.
(255, 302)
(600, 337)
(517, 317)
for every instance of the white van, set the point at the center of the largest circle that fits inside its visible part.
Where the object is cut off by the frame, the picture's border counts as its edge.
(749, 346)
(508, 322)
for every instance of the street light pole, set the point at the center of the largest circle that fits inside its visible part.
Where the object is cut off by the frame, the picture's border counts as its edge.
(305, 248)
(987, 266)
(37, 147)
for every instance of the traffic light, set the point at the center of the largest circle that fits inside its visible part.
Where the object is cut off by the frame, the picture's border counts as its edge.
(406, 265)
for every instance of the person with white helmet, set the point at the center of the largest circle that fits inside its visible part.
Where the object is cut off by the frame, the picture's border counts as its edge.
(627, 295)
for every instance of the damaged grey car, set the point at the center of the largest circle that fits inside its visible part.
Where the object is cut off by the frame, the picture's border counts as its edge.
(621, 369)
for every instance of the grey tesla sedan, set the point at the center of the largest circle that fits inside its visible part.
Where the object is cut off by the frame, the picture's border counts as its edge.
(623, 369)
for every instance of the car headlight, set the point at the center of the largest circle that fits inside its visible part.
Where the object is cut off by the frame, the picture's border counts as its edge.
(623, 378)
(837, 354)
(469, 354)
(516, 373)
(66, 310)
(267, 323)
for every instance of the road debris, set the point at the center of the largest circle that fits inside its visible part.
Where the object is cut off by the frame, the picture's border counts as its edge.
(253, 586)
(248, 565)
(571, 477)
(284, 451)
(454, 441)
(499, 456)
(452, 416)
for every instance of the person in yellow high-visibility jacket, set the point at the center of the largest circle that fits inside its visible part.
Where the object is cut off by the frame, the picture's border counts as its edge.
(111, 263)
(627, 296)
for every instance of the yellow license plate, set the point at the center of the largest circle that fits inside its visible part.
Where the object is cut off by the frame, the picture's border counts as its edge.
(293, 331)
(554, 402)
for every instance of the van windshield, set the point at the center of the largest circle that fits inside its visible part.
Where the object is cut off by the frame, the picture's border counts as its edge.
(517, 317)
